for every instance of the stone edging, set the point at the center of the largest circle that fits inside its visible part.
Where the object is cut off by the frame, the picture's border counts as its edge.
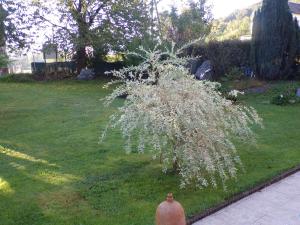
(242, 195)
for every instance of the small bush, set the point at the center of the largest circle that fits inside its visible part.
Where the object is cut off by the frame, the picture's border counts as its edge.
(17, 78)
(187, 124)
(235, 74)
(287, 97)
(280, 100)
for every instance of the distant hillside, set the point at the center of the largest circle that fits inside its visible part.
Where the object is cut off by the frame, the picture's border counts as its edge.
(247, 12)
(235, 25)
(240, 14)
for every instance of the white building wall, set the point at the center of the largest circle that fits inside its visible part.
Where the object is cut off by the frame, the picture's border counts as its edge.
(20, 63)
(298, 18)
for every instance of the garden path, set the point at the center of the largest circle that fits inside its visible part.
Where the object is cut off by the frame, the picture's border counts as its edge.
(278, 204)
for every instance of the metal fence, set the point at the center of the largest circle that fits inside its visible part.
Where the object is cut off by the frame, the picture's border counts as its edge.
(50, 68)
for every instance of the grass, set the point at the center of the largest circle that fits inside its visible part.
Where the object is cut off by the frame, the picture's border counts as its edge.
(53, 171)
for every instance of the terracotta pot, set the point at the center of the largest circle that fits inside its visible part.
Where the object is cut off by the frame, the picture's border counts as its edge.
(170, 212)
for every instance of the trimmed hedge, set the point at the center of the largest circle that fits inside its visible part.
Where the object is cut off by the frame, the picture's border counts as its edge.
(101, 67)
(69, 68)
(224, 55)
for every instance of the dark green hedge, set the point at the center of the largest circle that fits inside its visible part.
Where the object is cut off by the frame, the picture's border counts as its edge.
(224, 55)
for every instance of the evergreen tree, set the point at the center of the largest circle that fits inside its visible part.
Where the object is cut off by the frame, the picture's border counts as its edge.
(275, 40)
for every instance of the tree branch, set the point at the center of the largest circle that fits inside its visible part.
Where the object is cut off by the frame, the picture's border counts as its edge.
(93, 16)
(55, 25)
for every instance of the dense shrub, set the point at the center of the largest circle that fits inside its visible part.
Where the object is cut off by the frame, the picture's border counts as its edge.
(224, 55)
(101, 67)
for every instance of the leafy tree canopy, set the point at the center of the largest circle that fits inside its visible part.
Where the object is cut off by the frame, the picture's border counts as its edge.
(14, 25)
(193, 23)
(102, 25)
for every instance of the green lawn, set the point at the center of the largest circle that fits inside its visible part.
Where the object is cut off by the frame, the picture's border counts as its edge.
(54, 171)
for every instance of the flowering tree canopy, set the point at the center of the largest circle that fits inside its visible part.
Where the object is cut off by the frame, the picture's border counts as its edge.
(185, 122)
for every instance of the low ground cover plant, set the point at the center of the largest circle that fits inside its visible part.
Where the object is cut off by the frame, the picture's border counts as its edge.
(285, 94)
(286, 98)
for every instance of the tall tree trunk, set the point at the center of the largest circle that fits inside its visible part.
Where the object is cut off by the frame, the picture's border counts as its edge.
(81, 59)
(175, 161)
(83, 40)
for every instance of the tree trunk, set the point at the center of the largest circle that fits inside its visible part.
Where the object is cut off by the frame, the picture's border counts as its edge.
(175, 166)
(81, 59)
(175, 161)
(81, 56)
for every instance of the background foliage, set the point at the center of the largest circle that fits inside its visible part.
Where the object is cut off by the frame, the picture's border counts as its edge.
(191, 24)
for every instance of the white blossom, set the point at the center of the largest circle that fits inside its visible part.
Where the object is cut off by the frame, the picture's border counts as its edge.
(181, 120)
(235, 93)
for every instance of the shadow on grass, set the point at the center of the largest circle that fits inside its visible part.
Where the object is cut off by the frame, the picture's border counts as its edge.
(22, 180)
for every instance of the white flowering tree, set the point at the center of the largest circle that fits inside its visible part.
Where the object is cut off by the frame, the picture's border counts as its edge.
(186, 123)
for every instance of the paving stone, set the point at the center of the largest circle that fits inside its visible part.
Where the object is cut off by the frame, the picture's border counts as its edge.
(211, 221)
(278, 204)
